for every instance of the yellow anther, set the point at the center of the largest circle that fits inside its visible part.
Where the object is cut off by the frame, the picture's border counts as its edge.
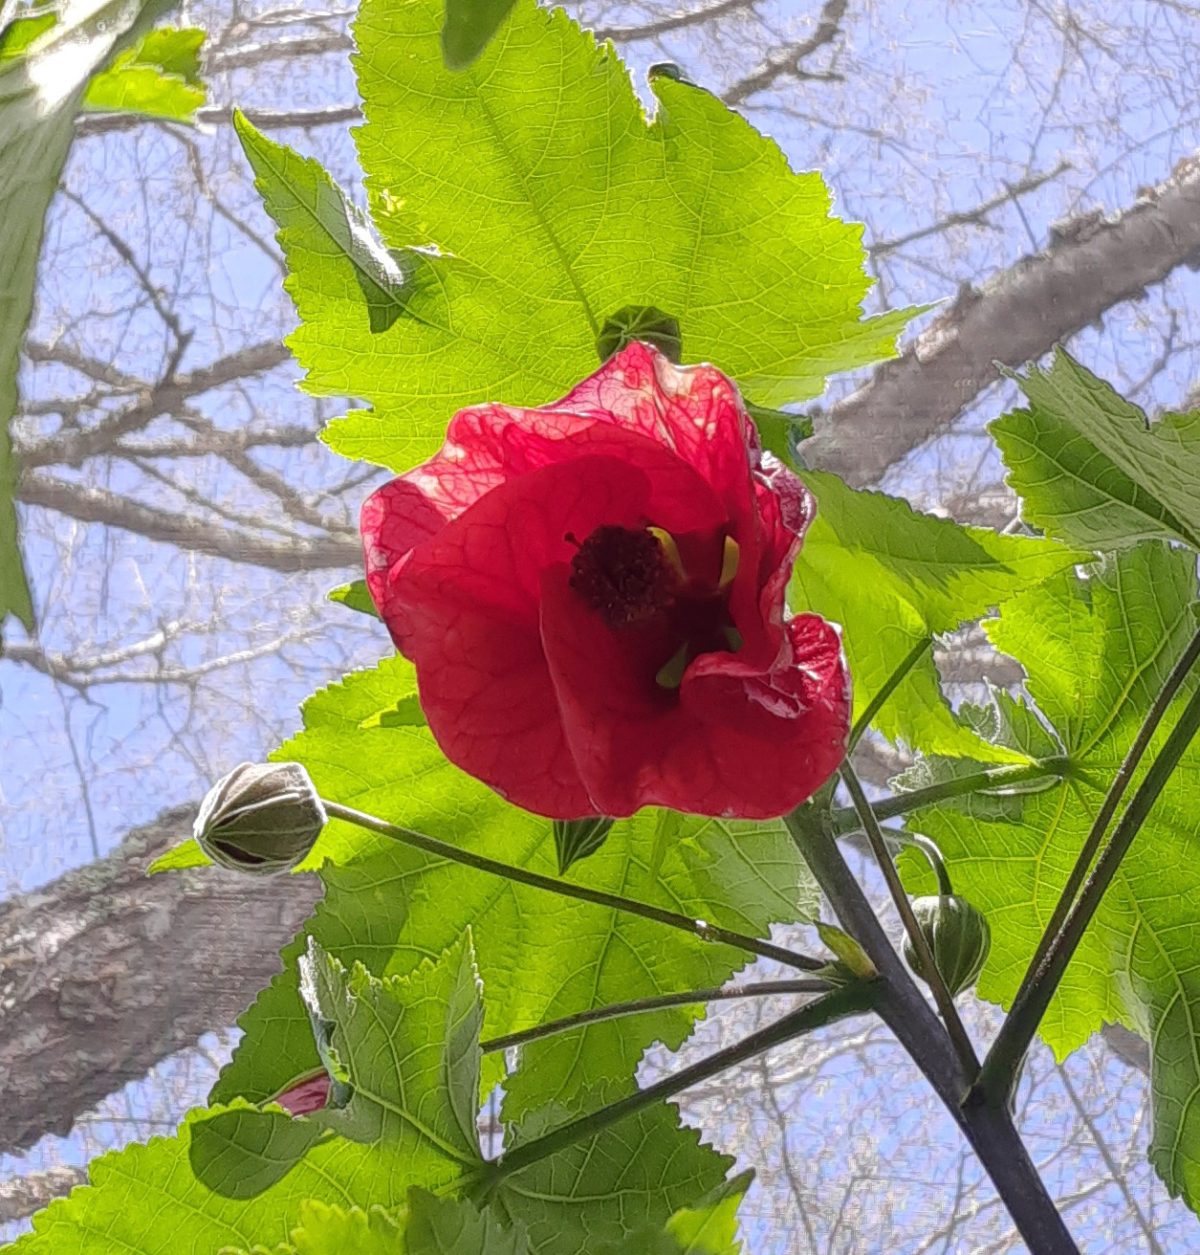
(730, 558)
(670, 551)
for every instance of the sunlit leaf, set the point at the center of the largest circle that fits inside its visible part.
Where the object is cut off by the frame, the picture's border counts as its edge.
(1092, 469)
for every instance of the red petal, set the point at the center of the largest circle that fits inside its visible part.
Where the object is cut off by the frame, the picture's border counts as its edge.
(470, 597)
(554, 710)
(306, 1096)
(729, 743)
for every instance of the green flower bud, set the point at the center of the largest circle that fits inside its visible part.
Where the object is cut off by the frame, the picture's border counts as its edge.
(577, 838)
(958, 936)
(260, 818)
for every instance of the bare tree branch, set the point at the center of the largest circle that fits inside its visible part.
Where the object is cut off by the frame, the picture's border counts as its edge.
(98, 505)
(72, 448)
(222, 115)
(971, 217)
(787, 63)
(22, 1196)
(1016, 317)
(673, 22)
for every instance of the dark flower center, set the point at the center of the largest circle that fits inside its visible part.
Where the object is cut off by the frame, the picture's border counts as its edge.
(623, 574)
(677, 587)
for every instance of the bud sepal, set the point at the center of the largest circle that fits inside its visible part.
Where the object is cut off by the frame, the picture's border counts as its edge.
(260, 818)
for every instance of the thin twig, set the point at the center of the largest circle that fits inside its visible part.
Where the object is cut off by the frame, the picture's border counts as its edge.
(617, 1010)
(971, 217)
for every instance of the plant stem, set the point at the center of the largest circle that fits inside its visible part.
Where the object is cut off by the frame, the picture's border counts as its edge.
(1112, 799)
(903, 1008)
(1003, 1062)
(719, 993)
(863, 722)
(933, 856)
(920, 943)
(847, 1000)
(697, 927)
(845, 819)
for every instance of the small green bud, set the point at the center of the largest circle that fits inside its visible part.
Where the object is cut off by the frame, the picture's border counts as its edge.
(646, 323)
(577, 838)
(260, 818)
(958, 936)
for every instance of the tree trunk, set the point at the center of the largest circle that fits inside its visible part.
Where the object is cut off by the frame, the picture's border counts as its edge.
(106, 971)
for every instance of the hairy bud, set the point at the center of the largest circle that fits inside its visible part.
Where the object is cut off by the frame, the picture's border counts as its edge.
(260, 818)
(958, 936)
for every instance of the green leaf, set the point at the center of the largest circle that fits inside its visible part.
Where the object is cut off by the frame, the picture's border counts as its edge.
(324, 1230)
(21, 32)
(174, 50)
(241, 1151)
(631, 1179)
(779, 431)
(407, 1049)
(541, 956)
(146, 1198)
(549, 210)
(469, 26)
(157, 78)
(708, 1228)
(891, 577)
(179, 858)
(355, 597)
(637, 1176)
(1090, 467)
(442, 1227)
(850, 954)
(427, 1226)
(1096, 652)
(40, 93)
(365, 284)
(410, 1049)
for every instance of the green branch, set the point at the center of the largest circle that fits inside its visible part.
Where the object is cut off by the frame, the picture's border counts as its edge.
(672, 919)
(1003, 1062)
(902, 1006)
(616, 1010)
(990, 779)
(941, 995)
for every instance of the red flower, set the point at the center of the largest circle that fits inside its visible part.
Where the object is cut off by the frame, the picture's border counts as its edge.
(593, 595)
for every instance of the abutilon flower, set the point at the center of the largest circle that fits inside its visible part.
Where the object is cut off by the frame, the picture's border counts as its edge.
(593, 595)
